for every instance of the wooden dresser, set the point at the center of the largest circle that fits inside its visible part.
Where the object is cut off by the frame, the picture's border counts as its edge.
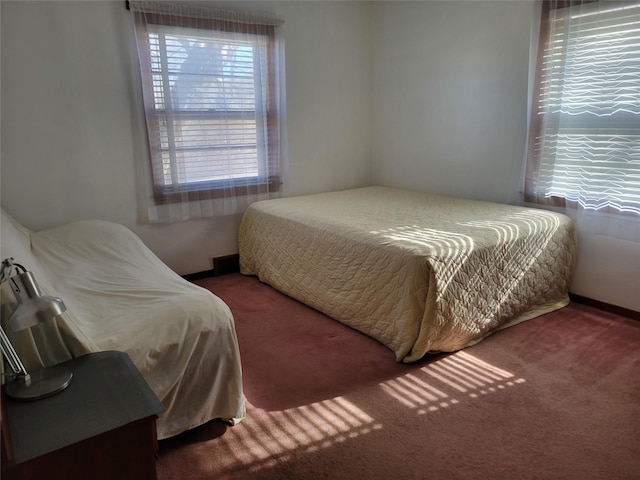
(102, 426)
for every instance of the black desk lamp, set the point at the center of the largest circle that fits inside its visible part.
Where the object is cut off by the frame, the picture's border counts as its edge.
(33, 308)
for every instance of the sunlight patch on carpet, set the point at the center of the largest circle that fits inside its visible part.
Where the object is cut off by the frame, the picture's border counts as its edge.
(444, 383)
(273, 437)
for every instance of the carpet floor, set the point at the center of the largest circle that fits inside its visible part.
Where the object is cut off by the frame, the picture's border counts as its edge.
(556, 397)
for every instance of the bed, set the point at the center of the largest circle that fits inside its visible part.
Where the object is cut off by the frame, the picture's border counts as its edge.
(420, 273)
(120, 296)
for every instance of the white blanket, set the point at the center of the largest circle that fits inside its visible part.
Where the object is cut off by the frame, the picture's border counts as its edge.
(120, 296)
(420, 273)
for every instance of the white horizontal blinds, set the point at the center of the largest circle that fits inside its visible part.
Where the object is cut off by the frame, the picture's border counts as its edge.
(589, 144)
(213, 98)
(208, 100)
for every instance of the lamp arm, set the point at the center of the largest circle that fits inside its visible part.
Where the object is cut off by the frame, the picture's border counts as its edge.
(8, 264)
(12, 357)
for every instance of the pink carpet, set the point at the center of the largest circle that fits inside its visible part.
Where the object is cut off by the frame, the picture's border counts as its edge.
(557, 397)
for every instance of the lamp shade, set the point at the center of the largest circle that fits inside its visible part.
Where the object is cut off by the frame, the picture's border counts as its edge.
(33, 306)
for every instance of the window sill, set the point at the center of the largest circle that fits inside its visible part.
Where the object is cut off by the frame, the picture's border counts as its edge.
(164, 196)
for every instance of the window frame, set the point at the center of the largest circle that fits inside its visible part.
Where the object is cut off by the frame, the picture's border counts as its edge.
(195, 191)
(534, 160)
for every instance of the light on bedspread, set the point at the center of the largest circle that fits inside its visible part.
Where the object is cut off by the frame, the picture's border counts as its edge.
(33, 308)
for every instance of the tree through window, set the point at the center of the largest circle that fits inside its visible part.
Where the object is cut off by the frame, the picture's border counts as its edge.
(210, 106)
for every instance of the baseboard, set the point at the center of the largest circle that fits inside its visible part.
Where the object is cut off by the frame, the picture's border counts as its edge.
(198, 275)
(221, 266)
(231, 264)
(607, 307)
(226, 264)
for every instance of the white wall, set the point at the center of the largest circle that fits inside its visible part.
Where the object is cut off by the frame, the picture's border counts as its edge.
(425, 95)
(449, 96)
(70, 136)
(449, 116)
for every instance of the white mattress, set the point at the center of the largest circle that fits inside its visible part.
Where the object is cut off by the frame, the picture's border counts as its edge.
(420, 273)
(120, 296)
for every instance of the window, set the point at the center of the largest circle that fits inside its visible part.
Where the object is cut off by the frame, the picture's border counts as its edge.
(211, 108)
(585, 140)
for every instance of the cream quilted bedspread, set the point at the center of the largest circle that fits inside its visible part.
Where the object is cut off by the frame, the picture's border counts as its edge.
(420, 273)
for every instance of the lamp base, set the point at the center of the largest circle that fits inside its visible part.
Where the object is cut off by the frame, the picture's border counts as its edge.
(40, 384)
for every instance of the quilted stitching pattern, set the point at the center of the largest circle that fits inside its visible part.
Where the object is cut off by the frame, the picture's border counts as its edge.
(418, 272)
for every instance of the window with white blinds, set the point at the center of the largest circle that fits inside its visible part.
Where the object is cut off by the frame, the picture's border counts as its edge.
(587, 140)
(207, 103)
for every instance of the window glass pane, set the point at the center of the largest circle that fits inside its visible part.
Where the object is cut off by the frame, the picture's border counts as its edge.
(204, 73)
(208, 92)
(590, 99)
(200, 166)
